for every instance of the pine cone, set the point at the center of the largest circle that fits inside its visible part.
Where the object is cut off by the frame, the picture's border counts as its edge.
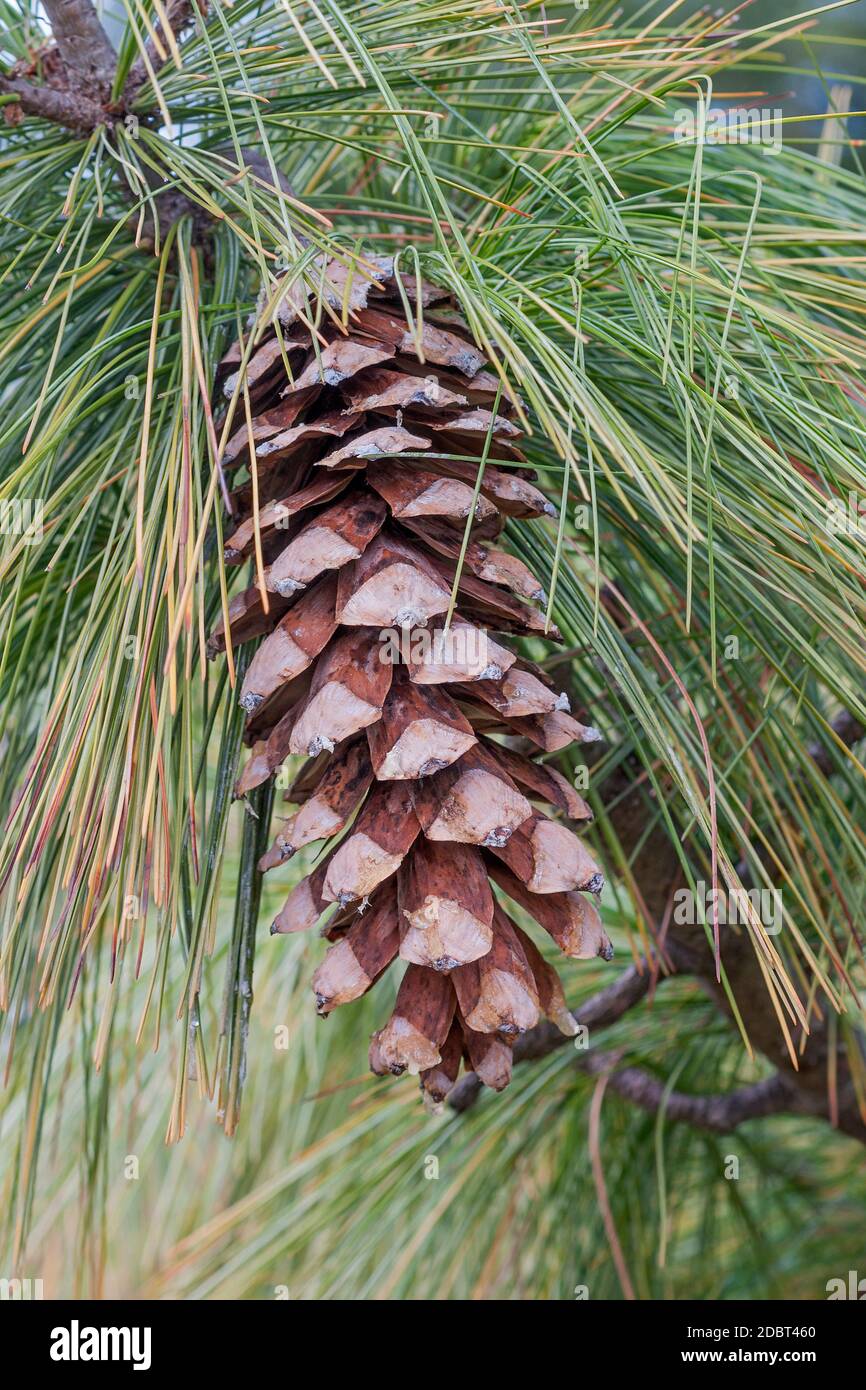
(367, 452)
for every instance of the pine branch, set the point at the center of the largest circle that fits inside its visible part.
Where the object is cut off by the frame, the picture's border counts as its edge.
(76, 72)
(83, 43)
(73, 110)
(76, 92)
(719, 1113)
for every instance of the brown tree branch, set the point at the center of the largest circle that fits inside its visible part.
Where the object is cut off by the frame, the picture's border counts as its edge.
(71, 109)
(83, 44)
(77, 73)
(719, 1113)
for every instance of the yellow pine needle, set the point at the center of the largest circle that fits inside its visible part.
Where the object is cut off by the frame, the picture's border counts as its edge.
(146, 408)
(309, 45)
(168, 34)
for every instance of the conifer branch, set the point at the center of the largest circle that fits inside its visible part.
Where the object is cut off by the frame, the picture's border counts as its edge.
(719, 1113)
(73, 110)
(83, 43)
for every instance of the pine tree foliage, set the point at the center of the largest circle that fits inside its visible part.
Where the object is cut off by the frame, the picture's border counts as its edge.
(680, 324)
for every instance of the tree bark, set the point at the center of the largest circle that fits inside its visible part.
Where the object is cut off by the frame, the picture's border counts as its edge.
(83, 44)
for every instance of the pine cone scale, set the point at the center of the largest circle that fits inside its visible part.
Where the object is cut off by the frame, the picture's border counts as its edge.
(367, 456)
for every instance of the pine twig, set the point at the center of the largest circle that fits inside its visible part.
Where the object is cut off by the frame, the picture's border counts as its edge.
(719, 1113)
(71, 109)
(82, 42)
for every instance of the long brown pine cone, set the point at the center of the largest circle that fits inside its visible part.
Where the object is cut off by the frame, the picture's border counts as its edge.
(368, 433)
